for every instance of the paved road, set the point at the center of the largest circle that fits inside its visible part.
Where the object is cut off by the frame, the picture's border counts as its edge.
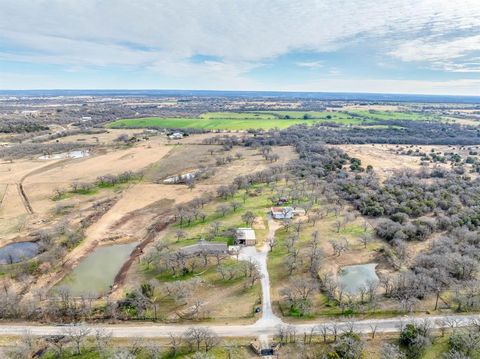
(259, 329)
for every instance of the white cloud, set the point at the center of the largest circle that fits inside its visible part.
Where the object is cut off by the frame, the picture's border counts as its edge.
(163, 35)
(247, 30)
(440, 53)
(451, 87)
(310, 64)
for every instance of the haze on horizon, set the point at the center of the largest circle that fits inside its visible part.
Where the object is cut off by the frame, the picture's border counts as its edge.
(416, 46)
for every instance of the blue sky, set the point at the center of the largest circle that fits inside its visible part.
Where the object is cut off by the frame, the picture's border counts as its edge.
(408, 46)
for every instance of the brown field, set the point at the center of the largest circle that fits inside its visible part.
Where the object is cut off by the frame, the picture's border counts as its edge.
(382, 157)
(385, 159)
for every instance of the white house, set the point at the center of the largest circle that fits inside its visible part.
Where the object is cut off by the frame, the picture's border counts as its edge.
(282, 212)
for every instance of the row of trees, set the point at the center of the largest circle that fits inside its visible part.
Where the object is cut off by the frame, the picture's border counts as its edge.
(80, 340)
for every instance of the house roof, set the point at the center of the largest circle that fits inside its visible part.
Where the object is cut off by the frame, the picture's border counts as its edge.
(282, 210)
(245, 233)
(203, 246)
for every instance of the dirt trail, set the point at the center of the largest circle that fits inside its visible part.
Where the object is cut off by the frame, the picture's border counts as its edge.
(25, 201)
(21, 190)
(3, 195)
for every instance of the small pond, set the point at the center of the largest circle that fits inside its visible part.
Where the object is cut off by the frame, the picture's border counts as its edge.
(353, 278)
(17, 252)
(61, 156)
(96, 272)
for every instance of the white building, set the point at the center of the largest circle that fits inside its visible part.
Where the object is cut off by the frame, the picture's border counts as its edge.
(176, 136)
(245, 237)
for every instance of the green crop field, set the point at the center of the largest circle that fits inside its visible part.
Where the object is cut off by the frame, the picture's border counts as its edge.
(237, 121)
(391, 115)
(240, 121)
(207, 124)
(238, 116)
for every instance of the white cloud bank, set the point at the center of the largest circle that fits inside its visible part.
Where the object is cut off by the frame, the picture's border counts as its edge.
(163, 35)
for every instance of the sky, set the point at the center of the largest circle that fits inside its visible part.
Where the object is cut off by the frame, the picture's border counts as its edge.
(389, 46)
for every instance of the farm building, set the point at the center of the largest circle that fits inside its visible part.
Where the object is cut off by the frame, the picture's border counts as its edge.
(176, 136)
(282, 212)
(286, 212)
(245, 236)
(205, 247)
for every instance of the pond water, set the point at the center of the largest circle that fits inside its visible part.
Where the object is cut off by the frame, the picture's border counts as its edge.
(61, 156)
(353, 278)
(17, 252)
(96, 272)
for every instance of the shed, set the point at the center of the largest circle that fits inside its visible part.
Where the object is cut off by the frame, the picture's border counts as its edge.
(245, 236)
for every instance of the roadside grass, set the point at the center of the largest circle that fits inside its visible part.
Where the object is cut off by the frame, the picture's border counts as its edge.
(90, 352)
(437, 348)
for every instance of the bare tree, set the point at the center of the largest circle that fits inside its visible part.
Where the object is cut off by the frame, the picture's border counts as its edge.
(103, 342)
(174, 343)
(196, 337)
(77, 334)
(24, 348)
(235, 205)
(180, 234)
(364, 239)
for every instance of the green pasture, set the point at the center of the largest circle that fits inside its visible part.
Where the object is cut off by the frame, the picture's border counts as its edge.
(265, 120)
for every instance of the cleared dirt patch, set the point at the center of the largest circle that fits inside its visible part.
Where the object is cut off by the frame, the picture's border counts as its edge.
(382, 157)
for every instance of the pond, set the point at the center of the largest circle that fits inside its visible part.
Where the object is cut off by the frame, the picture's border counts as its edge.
(17, 252)
(61, 156)
(96, 273)
(353, 278)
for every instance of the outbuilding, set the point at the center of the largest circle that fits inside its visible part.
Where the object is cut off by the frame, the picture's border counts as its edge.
(245, 237)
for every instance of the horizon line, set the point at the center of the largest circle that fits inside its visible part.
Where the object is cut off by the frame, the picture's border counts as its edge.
(240, 91)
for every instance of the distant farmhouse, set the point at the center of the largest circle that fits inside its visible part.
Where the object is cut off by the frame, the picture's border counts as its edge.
(245, 237)
(282, 212)
(286, 212)
(176, 136)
